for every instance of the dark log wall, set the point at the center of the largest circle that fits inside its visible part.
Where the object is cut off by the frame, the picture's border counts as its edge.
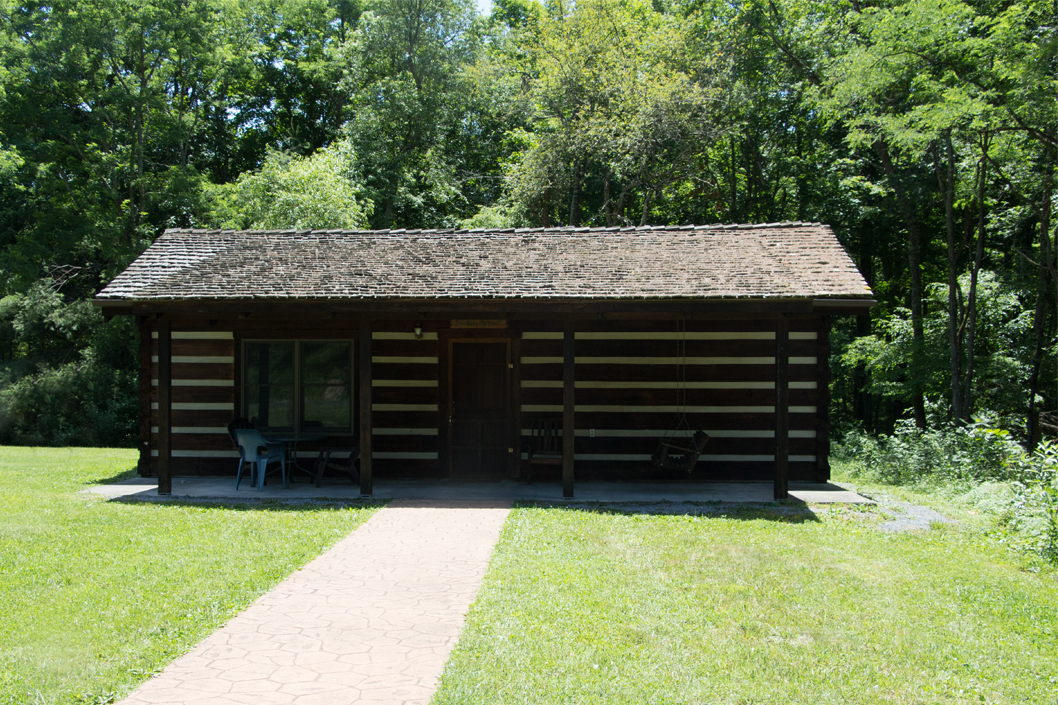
(203, 400)
(205, 396)
(626, 391)
(405, 403)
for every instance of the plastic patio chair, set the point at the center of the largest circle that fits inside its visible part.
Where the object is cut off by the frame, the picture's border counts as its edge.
(251, 444)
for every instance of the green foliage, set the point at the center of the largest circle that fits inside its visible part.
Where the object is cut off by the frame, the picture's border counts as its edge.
(617, 108)
(1001, 357)
(969, 454)
(1035, 510)
(994, 470)
(66, 376)
(319, 191)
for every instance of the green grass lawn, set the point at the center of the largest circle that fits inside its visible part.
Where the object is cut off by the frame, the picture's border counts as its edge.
(754, 606)
(96, 595)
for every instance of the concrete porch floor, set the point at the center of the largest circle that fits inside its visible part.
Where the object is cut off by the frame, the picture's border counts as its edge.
(505, 491)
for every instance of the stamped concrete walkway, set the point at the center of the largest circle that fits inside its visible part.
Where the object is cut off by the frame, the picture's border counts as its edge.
(371, 621)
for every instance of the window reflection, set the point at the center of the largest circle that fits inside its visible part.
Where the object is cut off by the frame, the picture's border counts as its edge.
(317, 374)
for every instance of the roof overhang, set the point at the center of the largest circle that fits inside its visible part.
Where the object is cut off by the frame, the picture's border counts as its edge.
(485, 308)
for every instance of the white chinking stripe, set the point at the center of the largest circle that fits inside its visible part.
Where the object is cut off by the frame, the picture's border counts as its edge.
(233, 454)
(376, 455)
(199, 383)
(404, 383)
(404, 431)
(405, 359)
(644, 457)
(690, 335)
(661, 433)
(200, 359)
(626, 409)
(198, 335)
(404, 407)
(383, 335)
(557, 384)
(554, 360)
(208, 430)
(220, 430)
(198, 406)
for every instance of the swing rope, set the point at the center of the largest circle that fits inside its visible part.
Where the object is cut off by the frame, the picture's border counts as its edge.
(679, 423)
(679, 448)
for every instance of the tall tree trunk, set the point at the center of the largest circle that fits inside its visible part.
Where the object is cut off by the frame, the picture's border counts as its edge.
(914, 256)
(1039, 321)
(574, 200)
(971, 312)
(545, 209)
(860, 376)
(732, 209)
(606, 206)
(946, 176)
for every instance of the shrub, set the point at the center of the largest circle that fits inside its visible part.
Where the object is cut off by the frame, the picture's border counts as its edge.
(962, 454)
(85, 403)
(1036, 509)
(67, 376)
(998, 474)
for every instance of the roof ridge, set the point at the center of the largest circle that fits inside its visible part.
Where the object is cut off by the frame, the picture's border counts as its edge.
(559, 230)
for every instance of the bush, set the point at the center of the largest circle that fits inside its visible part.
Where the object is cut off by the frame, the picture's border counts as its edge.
(948, 454)
(994, 471)
(85, 403)
(1036, 509)
(67, 377)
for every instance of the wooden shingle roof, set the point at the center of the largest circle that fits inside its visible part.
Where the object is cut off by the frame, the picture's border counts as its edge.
(775, 261)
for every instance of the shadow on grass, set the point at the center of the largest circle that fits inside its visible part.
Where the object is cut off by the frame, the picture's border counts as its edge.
(787, 511)
(127, 474)
(254, 505)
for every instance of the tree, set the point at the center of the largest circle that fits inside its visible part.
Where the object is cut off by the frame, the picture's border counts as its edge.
(619, 116)
(320, 191)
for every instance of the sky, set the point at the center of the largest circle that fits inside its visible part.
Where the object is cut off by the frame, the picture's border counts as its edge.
(484, 6)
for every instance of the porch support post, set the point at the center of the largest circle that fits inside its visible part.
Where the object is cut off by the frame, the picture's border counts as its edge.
(146, 388)
(365, 408)
(165, 406)
(782, 407)
(568, 359)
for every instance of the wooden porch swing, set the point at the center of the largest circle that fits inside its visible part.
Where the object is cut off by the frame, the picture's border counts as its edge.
(676, 451)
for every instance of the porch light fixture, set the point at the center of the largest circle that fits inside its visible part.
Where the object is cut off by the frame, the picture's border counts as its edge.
(418, 331)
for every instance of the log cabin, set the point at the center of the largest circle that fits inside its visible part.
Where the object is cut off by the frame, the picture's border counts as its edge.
(439, 351)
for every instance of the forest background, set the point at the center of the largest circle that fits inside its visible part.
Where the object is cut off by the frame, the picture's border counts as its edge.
(925, 132)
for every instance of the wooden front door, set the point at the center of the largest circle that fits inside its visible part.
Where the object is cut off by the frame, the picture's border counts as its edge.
(479, 410)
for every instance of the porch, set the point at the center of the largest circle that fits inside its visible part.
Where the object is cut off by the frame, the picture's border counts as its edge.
(504, 490)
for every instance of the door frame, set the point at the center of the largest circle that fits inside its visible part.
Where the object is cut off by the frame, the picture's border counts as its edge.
(512, 340)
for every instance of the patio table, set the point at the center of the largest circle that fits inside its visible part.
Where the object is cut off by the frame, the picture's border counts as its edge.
(291, 440)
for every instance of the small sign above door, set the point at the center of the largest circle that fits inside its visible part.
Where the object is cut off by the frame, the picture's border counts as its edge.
(478, 323)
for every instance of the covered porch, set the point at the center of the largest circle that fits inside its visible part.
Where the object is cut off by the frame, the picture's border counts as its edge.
(507, 490)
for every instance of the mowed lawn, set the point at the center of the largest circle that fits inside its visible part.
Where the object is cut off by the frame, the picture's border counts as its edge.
(752, 606)
(96, 595)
